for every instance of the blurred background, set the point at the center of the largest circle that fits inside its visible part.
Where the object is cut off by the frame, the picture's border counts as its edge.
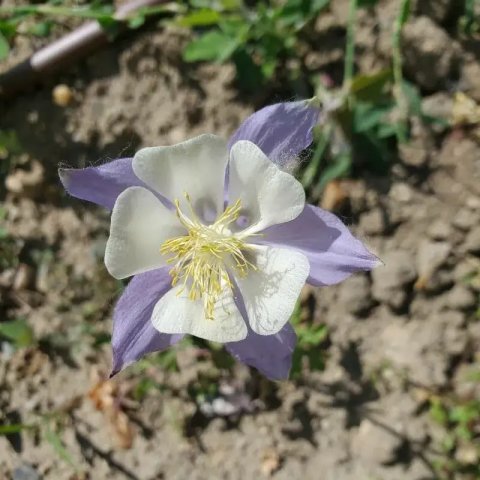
(386, 377)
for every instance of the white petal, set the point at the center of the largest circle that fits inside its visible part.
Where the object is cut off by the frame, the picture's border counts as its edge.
(196, 167)
(270, 293)
(140, 224)
(268, 195)
(176, 313)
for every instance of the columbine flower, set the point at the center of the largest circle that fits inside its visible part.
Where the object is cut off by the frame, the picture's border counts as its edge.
(211, 251)
(219, 239)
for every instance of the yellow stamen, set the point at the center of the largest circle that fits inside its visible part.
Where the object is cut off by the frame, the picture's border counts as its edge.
(200, 257)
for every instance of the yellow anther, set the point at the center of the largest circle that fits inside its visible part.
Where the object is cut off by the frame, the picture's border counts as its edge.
(200, 257)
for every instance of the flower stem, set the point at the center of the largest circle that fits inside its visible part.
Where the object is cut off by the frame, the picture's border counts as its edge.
(350, 46)
(53, 10)
(397, 60)
(314, 165)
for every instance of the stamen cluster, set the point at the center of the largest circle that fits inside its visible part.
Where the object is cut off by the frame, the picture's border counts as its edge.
(202, 257)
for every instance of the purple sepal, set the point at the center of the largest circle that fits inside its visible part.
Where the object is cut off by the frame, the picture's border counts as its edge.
(133, 333)
(102, 184)
(271, 355)
(333, 252)
(281, 130)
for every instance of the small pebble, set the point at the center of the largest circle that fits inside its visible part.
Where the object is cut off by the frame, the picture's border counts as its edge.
(461, 298)
(413, 155)
(431, 256)
(25, 472)
(390, 282)
(355, 295)
(439, 230)
(465, 269)
(373, 222)
(472, 242)
(401, 192)
(62, 95)
(473, 203)
(23, 277)
(467, 455)
(32, 117)
(374, 444)
(465, 219)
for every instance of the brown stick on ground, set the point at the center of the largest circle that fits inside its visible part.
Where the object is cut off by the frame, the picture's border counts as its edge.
(64, 51)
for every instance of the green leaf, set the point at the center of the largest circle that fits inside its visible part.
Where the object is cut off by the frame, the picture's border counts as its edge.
(17, 331)
(143, 386)
(412, 94)
(438, 412)
(386, 130)
(268, 68)
(465, 414)
(9, 143)
(101, 338)
(338, 169)
(372, 151)
(316, 361)
(221, 5)
(210, 46)
(200, 18)
(301, 10)
(296, 314)
(8, 28)
(4, 47)
(370, 87)
(41, 29)
(136, 21)
(317, 5)
(367, 116)
(366, 3)
(110, 26)
(249, 74)
(234, 26)
(404, 14)
(312, 334)
(14, 428)
(296, 368)
(293, 12)
(168, 360)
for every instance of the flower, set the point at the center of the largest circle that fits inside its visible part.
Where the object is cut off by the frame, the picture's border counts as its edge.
(219, 240)
(211, 250)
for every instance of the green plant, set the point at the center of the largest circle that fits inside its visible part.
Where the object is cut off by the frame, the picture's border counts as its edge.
(13, 18)
(18, 332)
(48, 427)
(364, 120)
(460, 420)
(310, 337)
(356, 129)
(469, 23)
(258, 40)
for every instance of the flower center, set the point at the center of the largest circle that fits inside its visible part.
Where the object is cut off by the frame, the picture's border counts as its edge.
(200, 258)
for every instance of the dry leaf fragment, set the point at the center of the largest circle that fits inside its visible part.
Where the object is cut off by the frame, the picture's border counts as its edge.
(271, 462)
(106, 398)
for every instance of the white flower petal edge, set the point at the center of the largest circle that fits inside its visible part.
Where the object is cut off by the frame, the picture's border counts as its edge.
(271, 292)
(196, 167)
(268, 195)
(140, 224)
(176, 313)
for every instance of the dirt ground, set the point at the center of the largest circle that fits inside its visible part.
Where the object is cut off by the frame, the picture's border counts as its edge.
(398, 337)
